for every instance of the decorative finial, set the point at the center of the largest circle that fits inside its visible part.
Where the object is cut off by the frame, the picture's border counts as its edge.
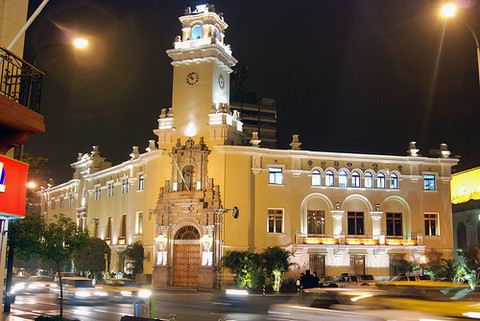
(255, 141)
(213, 108)
(170, 112)
(444, 150)
(134, 154)
(413, 150)
(163, 114)
(79, 156)
(95, 151)
(151, 146)
(295, 144)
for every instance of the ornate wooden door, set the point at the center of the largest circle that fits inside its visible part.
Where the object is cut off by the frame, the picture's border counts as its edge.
(186, 264)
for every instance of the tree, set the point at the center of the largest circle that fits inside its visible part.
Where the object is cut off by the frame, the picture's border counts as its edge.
(136, 255)
(404, 266)
(444, 270)
(61, 239)
(244, 265)
(276, 263)
(469, 272)
(91, 258)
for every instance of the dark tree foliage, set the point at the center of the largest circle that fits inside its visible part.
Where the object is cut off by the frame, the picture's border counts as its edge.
(91, 257)
(276, 262)
(135, 254)
(245, 265)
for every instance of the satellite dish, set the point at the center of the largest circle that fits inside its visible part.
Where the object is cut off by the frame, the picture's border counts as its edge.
(235, 212)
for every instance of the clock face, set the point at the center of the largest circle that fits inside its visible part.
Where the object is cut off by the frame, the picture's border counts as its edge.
(221, 81)
(192, 78)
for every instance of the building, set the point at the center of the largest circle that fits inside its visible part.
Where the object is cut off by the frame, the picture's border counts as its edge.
(197, 192)
(20, 88)
(260, 118)
(465, 187)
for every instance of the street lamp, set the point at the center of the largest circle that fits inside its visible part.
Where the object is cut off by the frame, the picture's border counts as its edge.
(79, 43)
(449, 10)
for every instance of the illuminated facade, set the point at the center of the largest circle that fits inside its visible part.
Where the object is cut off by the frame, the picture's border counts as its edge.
(197, 192)
(466, 207)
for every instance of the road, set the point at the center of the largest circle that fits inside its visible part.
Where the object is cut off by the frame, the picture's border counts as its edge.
(198, 306)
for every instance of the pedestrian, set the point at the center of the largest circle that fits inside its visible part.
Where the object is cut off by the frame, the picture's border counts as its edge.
(307, 281)
(316, 280)
(298, 283)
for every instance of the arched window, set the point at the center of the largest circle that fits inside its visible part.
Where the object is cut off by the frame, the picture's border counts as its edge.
(355, 179)
(381, 180)
(188, 172)
(187, 233)
(368, 180)
(316, 177)
(342, 179)
(329, 178)
(196, 32)
(217, 33)
(461, 236)
(394, 181)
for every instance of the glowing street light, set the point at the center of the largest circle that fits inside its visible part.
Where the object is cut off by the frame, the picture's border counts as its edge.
(79, 43)
(449, 10)
(31, 185)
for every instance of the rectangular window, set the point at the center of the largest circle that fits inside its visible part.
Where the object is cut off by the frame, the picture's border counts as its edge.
(95, 227)
(357, 264)
(71, 200)
(316, 222)
(125, 187)
(123, 230)
(110, 190)
(97, 193)
(139, 223)
(62, 202)
(108, 235)
(141, 182)
(431, 224)
(394, 224)
(53, 204)
(355, 223)
(275, 175)
(275, 221)
(429, 182)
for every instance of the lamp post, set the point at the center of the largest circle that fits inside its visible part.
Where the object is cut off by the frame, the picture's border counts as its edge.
(449, 10)
(79, 43)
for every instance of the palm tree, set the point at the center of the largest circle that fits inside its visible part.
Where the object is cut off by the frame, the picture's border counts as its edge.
(276, 262)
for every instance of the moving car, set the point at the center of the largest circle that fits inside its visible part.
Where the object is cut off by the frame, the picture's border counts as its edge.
(34, 284)
(332, 304)
(411, 278)
(80, 289)
(444, 298)
(123, 289)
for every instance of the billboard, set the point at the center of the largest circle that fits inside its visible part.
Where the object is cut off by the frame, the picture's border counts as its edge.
(13, 186)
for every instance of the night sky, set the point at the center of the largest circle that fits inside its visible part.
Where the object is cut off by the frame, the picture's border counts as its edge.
(348, 76)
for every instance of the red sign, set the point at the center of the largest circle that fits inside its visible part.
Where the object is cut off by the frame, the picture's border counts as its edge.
(13, 186)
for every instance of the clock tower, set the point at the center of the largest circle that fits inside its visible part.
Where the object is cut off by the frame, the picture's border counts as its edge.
(202, 65)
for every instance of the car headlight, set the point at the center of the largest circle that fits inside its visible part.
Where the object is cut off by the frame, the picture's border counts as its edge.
(12, 291)
(19, 286)
(82, 294)
(126, 293)
(144, 293)
(32, 286)
(100, 293)
(54, 285)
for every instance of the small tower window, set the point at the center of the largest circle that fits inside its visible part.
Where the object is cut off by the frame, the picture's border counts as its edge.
(217, 33)
(196, 32)
(188, 172)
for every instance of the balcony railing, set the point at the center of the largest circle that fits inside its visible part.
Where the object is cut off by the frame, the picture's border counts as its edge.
(19, 80)
(360, 240)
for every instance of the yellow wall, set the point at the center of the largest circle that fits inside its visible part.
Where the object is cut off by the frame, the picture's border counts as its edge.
(466, 185)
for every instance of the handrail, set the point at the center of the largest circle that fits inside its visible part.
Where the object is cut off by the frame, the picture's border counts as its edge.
(19, 80)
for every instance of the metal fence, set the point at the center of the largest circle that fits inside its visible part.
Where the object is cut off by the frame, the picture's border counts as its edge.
(19, 80)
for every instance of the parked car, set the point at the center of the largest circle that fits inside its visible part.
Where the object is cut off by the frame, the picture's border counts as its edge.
(411, 278)
(80, 289)
(345, 281)
(64, 275)
(124, 290)
(332, 304)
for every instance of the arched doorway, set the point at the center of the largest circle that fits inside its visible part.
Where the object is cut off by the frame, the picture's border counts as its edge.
(188, 172)
(187, 258)
(461, 236)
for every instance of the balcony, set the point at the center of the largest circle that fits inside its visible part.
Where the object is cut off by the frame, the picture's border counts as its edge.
(361, 240)
(20, 93)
